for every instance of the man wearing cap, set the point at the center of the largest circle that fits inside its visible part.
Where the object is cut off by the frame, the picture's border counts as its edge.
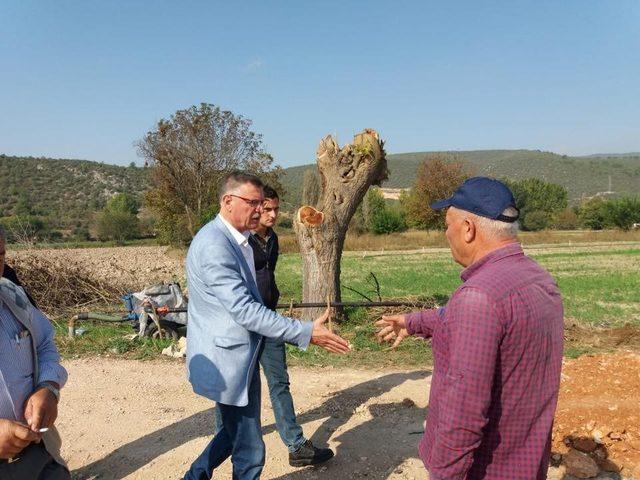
(497, 347)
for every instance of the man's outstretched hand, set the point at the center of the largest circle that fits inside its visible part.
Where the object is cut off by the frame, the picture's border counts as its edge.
(392, 327)
(323, 337)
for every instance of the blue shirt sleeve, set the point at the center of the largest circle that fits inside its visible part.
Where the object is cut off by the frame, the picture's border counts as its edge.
(49, 368)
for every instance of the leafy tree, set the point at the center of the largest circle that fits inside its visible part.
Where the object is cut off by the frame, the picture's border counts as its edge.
(438, 176)
(566, 219)
(116, 225)
(373, 205)
(388, 221)
(538, 201)
(378, 217)
(118, 220)
(123, 202)
(536, 220)
(623, 212)
(188, 154)
(592, 214)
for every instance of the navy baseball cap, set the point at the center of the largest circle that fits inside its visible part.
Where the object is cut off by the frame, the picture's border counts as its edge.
(483, 196)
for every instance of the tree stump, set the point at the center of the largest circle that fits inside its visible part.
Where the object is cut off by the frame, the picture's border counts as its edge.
(346, 174)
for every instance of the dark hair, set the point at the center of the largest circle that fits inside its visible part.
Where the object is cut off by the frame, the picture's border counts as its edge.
(269, 192)
(234, 179)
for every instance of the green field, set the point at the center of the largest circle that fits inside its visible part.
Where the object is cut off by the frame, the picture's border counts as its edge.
(600, 287)
(599, 283)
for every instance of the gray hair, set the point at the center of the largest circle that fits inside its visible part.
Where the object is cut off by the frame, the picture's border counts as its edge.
(235, 179)
(496, 229)
(3, 233)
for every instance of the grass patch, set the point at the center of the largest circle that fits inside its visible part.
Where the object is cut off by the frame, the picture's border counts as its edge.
(360, 330)
(109, 340)
(575, 351)
(419, 239)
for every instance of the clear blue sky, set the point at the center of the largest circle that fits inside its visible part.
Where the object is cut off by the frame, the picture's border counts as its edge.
(86, 79)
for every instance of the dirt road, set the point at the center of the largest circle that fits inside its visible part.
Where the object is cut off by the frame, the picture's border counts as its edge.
(140, 420)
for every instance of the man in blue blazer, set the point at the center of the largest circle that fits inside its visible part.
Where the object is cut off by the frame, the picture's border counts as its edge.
(227, 324)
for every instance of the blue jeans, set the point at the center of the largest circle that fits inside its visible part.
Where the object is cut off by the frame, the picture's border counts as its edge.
(273, 360)
(274, 366)
(239, 436)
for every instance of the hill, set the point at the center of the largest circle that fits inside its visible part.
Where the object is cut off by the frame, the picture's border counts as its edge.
(64, 192)
(581, 176)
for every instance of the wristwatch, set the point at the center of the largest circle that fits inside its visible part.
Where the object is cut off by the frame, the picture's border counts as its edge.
(51, 388)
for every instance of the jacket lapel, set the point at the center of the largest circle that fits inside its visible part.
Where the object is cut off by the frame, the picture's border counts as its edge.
(243, 263)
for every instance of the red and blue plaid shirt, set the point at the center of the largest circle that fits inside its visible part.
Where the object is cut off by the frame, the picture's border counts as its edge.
(497, 348)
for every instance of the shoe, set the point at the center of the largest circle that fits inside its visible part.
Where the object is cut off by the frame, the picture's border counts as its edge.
(307, 454)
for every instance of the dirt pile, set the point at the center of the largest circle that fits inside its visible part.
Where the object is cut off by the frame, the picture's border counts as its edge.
(58, 286)
(597, 424)
(131, 266)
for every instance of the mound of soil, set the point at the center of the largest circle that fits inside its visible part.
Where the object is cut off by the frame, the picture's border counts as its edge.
(598, 413)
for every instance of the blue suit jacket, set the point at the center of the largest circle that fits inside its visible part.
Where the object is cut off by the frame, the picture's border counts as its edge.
(227, 319)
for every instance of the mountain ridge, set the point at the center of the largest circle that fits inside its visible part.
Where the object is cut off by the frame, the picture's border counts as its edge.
(582, 176)
(68, 191)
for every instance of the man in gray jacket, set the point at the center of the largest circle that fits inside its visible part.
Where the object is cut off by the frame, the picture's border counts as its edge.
(227, 325)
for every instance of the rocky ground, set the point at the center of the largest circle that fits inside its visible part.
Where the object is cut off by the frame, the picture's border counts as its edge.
(597, 424)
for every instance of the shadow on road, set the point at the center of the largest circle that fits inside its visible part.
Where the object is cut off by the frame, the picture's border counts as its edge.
(134, 455)
(389, 433)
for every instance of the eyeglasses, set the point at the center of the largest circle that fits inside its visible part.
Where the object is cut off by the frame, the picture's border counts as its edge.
(250, 202)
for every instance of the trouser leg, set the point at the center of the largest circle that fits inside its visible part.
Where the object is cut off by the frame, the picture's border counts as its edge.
(243, 426)
(34, 463)
(216, 452)
(274, 365)
(55, 471)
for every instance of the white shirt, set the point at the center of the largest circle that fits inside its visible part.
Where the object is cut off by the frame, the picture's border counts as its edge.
(243, 243)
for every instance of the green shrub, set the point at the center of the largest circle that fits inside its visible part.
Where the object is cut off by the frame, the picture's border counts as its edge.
(592, 214)
(539, 199)
(623, 212)
(567, 219)
(536, 220)
(118, 226)
(25, 229)
(387, 221)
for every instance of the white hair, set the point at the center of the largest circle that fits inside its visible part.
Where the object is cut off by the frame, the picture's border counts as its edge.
(496, 229)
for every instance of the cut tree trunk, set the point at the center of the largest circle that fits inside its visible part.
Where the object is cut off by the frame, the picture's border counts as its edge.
(346, 174)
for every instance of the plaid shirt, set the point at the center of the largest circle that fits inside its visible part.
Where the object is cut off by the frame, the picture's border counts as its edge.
(497, 349)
